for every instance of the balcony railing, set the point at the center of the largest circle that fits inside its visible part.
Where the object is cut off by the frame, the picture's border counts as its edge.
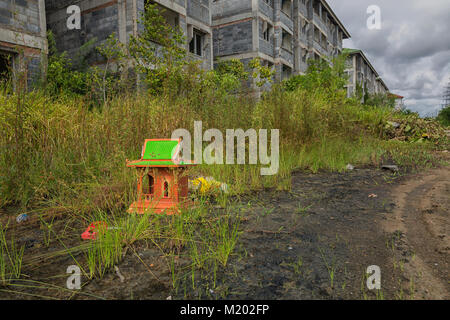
(287, 55)
(266, 9)
(319, 48)
(266, 47)
(288, 22)
(319, 22)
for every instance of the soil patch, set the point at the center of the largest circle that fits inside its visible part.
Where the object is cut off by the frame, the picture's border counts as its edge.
(314, 242)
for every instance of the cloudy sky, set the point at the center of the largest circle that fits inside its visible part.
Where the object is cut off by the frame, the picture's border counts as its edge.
(411, 51)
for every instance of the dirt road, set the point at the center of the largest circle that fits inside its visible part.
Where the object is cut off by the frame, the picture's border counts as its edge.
(422, 217)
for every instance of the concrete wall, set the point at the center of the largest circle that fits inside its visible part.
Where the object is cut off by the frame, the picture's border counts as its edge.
(233, 38)
(223, 9)
(362, 74)
(101, 18)
(229, 28)
(198, 18)
(23, 36)
(199, 10)
(266, 46)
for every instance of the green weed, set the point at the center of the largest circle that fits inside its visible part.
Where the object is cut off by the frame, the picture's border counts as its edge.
(10, 258)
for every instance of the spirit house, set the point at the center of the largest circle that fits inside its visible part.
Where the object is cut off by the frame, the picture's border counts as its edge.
(162, 180)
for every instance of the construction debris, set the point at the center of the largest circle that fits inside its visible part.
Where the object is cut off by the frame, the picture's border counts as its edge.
(392, 168)
(413, 129)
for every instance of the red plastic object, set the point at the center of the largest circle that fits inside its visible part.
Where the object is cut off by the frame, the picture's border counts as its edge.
(92, 231)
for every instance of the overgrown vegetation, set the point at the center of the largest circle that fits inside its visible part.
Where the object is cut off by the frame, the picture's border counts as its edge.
(59, 152)
(10, 258)
(444, 116)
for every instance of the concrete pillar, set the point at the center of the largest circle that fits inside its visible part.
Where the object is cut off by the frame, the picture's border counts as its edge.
(122, 20)
(310, 31)
(135, 22)
(297, 49)
(320, 10)
(44, 50)
(255, 26)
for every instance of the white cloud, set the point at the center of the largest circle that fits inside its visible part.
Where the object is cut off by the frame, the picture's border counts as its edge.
(411, 51)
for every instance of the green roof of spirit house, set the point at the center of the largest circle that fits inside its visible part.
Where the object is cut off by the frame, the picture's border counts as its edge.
(160, 153)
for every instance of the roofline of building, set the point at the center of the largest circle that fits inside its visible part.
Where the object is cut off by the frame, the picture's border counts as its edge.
(396, 96)
(336, 19)
(360, 52)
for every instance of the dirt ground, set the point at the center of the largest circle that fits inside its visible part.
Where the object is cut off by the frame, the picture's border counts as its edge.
(314, 242)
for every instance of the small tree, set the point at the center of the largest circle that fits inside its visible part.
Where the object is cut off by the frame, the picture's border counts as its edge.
(114, 52)
(380, 100)
(226, 77)
(262, 73)
(61, 78)
(231, 66)
(444, 116)
(159, 52)
(321, 75)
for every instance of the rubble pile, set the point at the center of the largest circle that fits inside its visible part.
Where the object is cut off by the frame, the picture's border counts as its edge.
(413, 129)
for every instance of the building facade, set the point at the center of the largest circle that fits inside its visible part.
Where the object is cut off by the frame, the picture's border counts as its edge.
(23, 39)
(285, 34)
(362, 75)
(101, 18)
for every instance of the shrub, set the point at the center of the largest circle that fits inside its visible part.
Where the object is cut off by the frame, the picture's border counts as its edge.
(444, 116)
(61, 78)
(379, 100)
(159, 53)
(329, 77)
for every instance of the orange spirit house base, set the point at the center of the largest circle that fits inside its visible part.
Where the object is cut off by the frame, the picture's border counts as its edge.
(162, 179)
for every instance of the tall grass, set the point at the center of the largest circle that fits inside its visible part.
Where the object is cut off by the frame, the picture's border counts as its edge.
(65, 155)
(105, 253)
(207, 237)
(227, 236)
(204, 235)
(74, 158)
(119, 232)
(10, 258)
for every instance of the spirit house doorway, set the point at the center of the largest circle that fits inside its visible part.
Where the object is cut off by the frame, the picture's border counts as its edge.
(148, 186)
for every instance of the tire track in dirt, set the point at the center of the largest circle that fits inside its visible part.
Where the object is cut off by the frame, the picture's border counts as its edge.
(422, 221)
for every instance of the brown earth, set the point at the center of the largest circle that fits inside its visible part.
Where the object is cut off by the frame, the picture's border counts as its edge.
(422, 217)
(314, 242)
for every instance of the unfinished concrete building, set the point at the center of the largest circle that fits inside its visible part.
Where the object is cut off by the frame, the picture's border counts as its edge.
(101, 18)
(23, 39)
(285, 34)
(362, 75)
(398, 100)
